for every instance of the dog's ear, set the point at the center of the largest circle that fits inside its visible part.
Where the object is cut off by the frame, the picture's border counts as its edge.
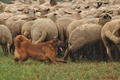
(55, 39)
(30, 40)
(20, 39)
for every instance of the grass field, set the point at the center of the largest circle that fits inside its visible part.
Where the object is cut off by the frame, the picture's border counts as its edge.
(34, 70)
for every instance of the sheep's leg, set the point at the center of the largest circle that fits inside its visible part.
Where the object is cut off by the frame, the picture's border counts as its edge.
(109, 53)
(72, 56)
(82, 54)
(117, 50)
(66, 54)
(89, 52)
(102, 51)
(8, 48)
(108, 45)
(116, 55)
(4, 50)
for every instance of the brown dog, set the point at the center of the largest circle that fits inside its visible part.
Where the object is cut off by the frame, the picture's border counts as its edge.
(24, 49)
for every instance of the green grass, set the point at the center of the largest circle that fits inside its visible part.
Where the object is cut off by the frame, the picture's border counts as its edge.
(35, 70)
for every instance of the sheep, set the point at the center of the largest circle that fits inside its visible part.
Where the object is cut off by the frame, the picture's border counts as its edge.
(84, 35)
(110, 36)
(43, 30)
(5, 39)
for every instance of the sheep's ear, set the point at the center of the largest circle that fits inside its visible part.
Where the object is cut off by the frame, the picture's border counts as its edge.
(79, 11)
(68, 13)
(36, 10)
(45, 16)
(20, 9)
(24, 18)
(55, 13)
(104, 11)
(110, 12)
(107, 16)
(48, 9)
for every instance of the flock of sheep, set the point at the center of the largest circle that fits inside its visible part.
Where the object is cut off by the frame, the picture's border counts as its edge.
(86, 27)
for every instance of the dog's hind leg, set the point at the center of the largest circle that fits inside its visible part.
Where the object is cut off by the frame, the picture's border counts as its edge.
(60, 60)
(52, 59)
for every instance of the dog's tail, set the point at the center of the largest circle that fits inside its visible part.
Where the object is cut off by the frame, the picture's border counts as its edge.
(18, 39)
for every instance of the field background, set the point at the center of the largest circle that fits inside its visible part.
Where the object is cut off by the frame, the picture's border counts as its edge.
(35, 70)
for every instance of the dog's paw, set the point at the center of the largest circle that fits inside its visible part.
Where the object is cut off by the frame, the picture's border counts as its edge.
(64, 61)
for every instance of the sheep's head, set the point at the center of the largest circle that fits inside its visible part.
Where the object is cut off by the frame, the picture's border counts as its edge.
(104, 18)
(31, 15)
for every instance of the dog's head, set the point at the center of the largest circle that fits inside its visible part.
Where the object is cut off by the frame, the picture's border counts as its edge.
(58, 43)
(22, 38)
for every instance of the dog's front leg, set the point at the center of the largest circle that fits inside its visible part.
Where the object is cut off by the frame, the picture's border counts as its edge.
(19, 62)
